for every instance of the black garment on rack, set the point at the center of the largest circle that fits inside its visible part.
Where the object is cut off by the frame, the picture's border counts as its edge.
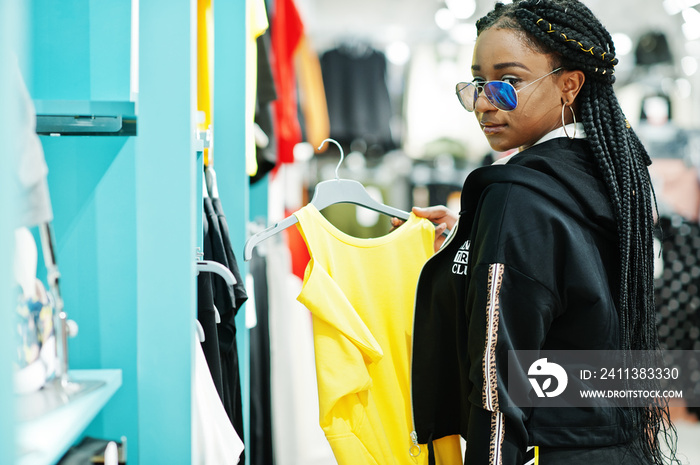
(261, 445)
(266, 94)
(359, 107)
(227, 300)
(239, 292)
(678, 294)
(206, 315)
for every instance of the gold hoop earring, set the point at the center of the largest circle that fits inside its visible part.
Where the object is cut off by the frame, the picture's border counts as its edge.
(563, 123)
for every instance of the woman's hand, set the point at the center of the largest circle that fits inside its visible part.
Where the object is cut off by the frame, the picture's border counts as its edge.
(440, 215)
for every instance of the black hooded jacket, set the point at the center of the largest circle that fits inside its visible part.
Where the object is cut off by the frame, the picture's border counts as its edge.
(532, 264)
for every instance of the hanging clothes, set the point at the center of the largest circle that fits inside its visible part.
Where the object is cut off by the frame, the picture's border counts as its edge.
(312, 95)
(239, 292)
(206, 315)
(205, 40)
(431, 112)
(361, 295)
(256, 25)
(298, 437)
(676, 295)
(35, 203)
(265, 151)
(215, 439)
(261, 444)
(286, 30)
(359, 107)
(227, 299)
(297, 247)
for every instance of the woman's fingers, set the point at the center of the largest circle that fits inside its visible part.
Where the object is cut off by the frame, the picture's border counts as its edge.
(439, 237)
(438, 214)
(441, 216)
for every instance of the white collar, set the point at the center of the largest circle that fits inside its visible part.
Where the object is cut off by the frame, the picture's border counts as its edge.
(575, 129)
(572, 128)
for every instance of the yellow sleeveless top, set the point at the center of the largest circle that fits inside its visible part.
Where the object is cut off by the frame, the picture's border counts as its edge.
(361, 294)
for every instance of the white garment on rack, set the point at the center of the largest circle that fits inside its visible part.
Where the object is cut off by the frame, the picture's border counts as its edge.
(214, 441)
(298, 437)
(35, 204)
(431, 109)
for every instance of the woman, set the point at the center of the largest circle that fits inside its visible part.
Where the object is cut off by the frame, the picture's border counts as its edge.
(551, 251)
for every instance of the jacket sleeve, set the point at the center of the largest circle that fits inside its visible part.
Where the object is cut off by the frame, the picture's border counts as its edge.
(507, 309)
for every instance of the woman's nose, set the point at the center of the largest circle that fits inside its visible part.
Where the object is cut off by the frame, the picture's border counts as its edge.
(482, 104)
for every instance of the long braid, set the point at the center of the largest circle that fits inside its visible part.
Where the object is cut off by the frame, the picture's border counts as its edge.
(569, 31)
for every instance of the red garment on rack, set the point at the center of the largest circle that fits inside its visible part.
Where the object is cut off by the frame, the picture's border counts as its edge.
(286, 32)
(298, 250)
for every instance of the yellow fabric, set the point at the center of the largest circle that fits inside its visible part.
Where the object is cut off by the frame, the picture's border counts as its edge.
(256, 25)
(361, 294)
(312, 96)
(204, 84)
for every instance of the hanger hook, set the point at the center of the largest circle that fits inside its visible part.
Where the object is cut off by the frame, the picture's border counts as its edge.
(342, 155)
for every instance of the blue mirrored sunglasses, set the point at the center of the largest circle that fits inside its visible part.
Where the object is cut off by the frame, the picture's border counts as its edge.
(500, 94)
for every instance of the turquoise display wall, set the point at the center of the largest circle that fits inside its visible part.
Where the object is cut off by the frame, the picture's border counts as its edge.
(10, 40)
(84, 49)
(128, 209)
(80, 51)
(229, 151)
(165, 192)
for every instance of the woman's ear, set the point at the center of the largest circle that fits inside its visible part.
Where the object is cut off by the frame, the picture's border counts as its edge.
(572, 82)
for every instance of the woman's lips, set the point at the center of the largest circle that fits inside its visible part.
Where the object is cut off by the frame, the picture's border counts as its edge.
(490, 128)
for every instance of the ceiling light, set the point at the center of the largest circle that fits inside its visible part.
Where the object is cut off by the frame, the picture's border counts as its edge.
(623, 43)
(673, 7)
(689, 65)
(684, 88)
(691, 27)
(398, 52)
(444, 19)
(461, 9)
(463, 33)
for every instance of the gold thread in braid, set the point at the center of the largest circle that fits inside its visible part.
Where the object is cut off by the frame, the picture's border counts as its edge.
(566, 39)
(550, 26)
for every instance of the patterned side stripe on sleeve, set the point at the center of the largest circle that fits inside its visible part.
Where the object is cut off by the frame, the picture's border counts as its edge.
(489, 392)
(496, 442)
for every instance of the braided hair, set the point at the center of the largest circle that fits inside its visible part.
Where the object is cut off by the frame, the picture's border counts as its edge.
(569, 32)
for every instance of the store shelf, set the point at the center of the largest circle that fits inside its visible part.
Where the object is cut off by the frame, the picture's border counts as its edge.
(45, 439)
(85, 118)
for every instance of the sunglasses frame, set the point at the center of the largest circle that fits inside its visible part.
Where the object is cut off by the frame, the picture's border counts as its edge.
(479, 90)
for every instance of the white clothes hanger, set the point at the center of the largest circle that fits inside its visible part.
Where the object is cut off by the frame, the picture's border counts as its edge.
(215, 267)
(210, 266)
(210, 182)
(328, 193)
(199, 329)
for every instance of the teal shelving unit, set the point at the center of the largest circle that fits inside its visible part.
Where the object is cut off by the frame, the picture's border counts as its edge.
(127, 209)
(166, 229)
(59, 428)
(229, 158)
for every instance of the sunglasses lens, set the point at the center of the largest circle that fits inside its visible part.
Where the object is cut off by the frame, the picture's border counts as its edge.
(467, 94)
(502, 95)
